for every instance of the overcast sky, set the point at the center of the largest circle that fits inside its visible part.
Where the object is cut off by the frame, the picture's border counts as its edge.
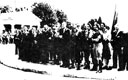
(81, 11)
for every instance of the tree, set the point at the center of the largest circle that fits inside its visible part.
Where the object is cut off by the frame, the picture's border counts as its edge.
(5, 9)
(61, 16)
(45, 13)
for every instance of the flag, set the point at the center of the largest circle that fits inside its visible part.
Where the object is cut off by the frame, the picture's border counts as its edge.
(115, 19)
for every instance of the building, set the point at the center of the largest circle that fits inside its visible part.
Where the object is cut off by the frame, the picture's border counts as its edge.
(16, 20)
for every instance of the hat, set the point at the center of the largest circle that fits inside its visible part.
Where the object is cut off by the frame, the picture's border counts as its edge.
(99, 20)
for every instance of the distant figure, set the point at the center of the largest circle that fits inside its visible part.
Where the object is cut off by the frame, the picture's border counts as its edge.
(17, 42)
(4, 37)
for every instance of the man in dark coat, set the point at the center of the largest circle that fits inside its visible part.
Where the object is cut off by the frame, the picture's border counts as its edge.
(78, 50)
(65, 50)
(26, 47)
(125, 51)
(72, 45)
(86, 49)
(117, 49)
(43, 44)
(17, 42)
(33, 52)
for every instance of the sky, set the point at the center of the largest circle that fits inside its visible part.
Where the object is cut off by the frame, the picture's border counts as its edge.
(81, 11)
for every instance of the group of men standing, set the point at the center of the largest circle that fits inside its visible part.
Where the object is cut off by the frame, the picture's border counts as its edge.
(6, 37)
(69, 45)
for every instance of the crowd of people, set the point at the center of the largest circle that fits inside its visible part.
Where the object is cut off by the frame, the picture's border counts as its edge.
(68, 45)
(6, 37)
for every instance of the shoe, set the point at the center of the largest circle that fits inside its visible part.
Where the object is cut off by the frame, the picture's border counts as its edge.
(99, 71)
(78, 69)
(61, 65)
(114, 66)
(93, 69)
(126, 68)
(120, 69)
(105, 67)
(57, 63)
(109, 68)
(66, 66)
(71, 67)
(86, 67)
